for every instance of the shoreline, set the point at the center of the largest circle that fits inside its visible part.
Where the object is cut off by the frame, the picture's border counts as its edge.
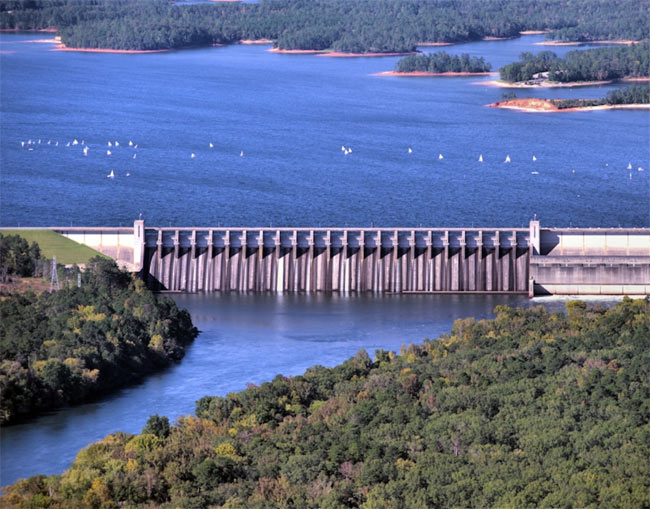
(255, 41)
(556, 84)
(433, 44)
(29, 30)
(295, 51)
(62, 47)
(586, 43)
(342, 54)
(424, 74)
(536, 105)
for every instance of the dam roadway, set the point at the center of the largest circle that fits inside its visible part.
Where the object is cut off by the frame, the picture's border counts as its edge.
(532, 261)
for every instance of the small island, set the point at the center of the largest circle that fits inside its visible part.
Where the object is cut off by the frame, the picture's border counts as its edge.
(440, 64)
(635, 97)
(593, 67)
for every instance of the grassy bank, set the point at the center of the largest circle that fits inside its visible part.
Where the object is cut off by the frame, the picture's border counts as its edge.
(51, 243)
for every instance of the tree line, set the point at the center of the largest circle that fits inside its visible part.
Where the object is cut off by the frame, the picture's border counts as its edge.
(598, 64)
(636, 94)
(71, 345)
(441, 61)
(359, 26)
(17, 256)
(530, 409)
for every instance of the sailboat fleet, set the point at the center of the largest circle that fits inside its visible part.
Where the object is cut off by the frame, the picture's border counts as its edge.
(30, 144)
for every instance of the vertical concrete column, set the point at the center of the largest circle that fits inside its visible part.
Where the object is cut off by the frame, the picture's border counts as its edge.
(480, 283)
(412, 270)
(328, 261)
(309, 284)
(242, 279)
(293, 263)
(361, 273)
(462, 263)
(138, 244)
(344, 266)
(445, 264)
(258, 281)
(513, 262)
(225, 271)
(209, 265)
(193, 262)
(160, 271)
(429, 271)
(535, 237)
(277, 277)
(380, 278)
(498, 273)
(176, 264)
(395, 272)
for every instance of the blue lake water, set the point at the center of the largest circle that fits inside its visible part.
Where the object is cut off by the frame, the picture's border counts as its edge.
(290, 115)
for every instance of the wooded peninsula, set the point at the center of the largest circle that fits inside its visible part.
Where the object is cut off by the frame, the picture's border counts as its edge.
(362, 26)
(84, 340)
(530, 409)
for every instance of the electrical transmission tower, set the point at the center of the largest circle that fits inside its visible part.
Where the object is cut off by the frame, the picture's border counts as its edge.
(54, 277)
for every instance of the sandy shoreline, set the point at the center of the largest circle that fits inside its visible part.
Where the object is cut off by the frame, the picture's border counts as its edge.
(295, 51)
(434, 44)
(555, 84)
(533, 32)
(255, 41)
(341, 54)
(56, 40)
(535, 105)
(546, 84)
(432, 74)
(63, 47)
(584, 43)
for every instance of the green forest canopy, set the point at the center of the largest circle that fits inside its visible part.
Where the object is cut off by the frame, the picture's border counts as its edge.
(76, 343)
(597, 64)
(530, 409)
(341, 25)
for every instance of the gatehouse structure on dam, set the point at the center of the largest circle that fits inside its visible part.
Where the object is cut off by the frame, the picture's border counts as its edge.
(533, 260)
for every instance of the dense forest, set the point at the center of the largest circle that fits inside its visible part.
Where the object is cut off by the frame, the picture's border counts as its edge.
(530, 409)
(637, 94)
(341, 25)
(598, 64)
(442, 62)
(76, 343)
(17, 257)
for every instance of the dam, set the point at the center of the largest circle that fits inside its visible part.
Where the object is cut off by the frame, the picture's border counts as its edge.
(531, 261)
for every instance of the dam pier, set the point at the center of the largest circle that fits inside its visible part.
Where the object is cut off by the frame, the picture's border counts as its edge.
(531, 261)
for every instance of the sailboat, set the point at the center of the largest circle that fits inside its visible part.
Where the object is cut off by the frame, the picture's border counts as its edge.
(134, 155)
(86, 151)
(75, 142)
(639, 169)
(410, 150)
(440, 156)
(350, 150)
(192, 155)
(507, 159)
(135, 146)
(130, 143)
(22, 143)
(211, 145)
(480, 158)
(56, 144)
(108, 152)
(128, 174)
(629, 166)
(534, 173)
(67, 144)
(110, 144)
(241, 154)
(111, 175)
(534, 158)
(49, 142)
(117, 143)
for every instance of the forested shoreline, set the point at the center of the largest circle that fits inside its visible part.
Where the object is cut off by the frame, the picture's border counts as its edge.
(79, 342)
(441, 62)
(636, 94)
(362, 26)
(529, 409)
(599, 64)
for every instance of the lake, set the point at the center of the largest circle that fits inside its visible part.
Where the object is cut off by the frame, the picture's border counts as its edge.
(289, 115)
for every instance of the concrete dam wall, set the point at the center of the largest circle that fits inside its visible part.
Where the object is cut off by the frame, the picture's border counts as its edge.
(533, 260)
(345, 260)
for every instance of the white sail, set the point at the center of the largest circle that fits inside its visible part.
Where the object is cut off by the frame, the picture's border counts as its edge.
(110, 144)
(75, 142)
(629, 166)
(342, 148)
(440, 156)
(108, 152)
(192, 155)
(86, 151)
(534, 158)
(480, 158)
(241, 154)
(134, 155)
(130, 143)
(211, 145)
(111, 174)
(507, 159)
(117, 143)
(410, 150)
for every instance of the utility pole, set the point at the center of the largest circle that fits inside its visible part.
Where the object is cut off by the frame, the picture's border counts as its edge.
(54, 277)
